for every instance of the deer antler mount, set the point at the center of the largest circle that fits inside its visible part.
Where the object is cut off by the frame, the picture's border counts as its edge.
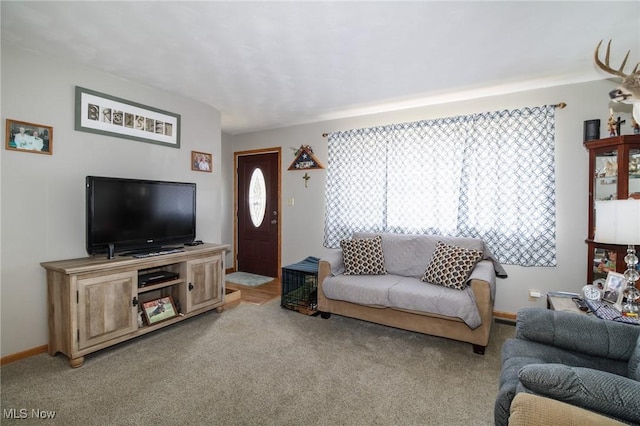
(629, 89)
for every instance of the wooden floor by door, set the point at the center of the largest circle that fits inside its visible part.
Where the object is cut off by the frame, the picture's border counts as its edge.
(258, 248)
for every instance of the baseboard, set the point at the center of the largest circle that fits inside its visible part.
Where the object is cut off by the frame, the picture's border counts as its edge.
(24, 354)
(504, 316)
(229, 270)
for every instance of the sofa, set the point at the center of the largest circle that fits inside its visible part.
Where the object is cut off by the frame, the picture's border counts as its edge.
(391, 288)
(573, 358)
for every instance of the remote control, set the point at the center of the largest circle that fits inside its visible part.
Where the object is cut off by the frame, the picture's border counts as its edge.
(581, 304)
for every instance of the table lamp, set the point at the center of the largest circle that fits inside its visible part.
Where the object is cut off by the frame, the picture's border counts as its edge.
(618, 222)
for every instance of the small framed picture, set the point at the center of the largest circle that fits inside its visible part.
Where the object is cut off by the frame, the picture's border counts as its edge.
(201, 161)
(29, 137)
(613, 289)
(159, 310)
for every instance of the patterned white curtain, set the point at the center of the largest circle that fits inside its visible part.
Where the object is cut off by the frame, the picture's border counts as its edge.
(488, 176)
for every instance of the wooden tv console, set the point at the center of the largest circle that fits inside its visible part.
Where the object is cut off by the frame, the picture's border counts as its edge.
(94, 302)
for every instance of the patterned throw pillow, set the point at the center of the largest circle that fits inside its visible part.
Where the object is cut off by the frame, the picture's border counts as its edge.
(450, 266)
(363, 256)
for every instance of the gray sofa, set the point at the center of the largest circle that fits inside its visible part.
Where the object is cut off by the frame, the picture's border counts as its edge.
(399, 299)
(577, 359)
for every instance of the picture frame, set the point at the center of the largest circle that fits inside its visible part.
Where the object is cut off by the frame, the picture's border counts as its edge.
(108, 115)
(305, 159)
(159, 310)
(201, 161)
(613, 289)
(28, 137)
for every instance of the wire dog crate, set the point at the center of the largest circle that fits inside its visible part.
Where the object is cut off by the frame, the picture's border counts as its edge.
(300, 286)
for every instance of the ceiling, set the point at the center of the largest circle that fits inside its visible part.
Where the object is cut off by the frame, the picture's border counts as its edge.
(273, 64)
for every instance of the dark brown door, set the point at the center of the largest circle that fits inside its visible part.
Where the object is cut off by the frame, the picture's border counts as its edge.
(258, 215)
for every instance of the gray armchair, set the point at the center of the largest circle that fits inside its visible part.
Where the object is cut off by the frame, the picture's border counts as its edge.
(578, 359)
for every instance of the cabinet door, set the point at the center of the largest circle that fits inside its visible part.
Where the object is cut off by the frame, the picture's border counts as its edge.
(204, 282)
(105, 308)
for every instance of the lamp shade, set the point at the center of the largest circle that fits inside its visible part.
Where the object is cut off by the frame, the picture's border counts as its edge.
(618, 222)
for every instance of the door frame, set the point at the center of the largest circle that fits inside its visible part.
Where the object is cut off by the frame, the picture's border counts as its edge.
(277, 150)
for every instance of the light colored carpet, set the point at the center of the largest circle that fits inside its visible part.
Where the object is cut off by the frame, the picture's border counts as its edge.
(246, 278)
(264, 365)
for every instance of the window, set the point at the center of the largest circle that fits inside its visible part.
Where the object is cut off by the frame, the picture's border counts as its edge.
(488, 176)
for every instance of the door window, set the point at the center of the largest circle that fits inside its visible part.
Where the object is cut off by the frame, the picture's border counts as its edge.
(257, 197)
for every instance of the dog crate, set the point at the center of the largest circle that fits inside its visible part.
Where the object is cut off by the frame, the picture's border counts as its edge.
(300, 286)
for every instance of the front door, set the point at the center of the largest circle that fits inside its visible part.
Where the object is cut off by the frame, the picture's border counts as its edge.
(258, 210)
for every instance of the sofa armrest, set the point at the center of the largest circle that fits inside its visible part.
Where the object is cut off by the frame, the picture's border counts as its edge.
(484, 272)
(335, 262)
(582, 333)
(533, 410)
(601, 391)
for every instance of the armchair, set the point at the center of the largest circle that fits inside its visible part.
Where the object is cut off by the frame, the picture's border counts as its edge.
(577, 359)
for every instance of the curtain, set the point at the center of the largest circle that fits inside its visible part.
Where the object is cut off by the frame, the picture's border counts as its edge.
(488, 175)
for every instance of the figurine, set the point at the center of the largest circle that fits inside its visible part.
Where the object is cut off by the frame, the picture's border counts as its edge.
(611, 123)
(614, 125)
(611, 168)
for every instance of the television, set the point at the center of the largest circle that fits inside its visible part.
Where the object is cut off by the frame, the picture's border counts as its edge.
(138, 215)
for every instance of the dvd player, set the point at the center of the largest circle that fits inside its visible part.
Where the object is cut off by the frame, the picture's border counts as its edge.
(155, 277)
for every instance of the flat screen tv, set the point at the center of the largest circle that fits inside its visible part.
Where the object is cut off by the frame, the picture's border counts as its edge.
(138, 215)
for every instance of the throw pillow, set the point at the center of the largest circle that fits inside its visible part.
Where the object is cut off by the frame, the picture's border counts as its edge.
(363, 256)
(450, 266)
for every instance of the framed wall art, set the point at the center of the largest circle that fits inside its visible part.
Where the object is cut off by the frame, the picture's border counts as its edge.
(305, 160)
(159, 310)
(29, 137)
(108, 115)
(201, 161)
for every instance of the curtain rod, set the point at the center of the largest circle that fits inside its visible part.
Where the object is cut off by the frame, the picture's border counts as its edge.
(560, 105)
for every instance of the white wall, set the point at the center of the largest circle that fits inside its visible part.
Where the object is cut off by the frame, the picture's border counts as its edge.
(42, 197)
(227, 195)
(43, 203)
(302, 224)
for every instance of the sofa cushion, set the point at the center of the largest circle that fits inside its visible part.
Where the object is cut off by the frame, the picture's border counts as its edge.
(361, 289)
(451, 265)
(363, 256)
(409, 254)
(522, 352)
(607, 393)
(414, 295)
(607, 339)
(404, 254)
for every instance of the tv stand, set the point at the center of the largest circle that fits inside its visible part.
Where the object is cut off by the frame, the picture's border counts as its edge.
(94, 302)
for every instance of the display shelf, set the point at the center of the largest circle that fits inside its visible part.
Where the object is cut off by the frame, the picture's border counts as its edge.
(613, 174)
(159, 286)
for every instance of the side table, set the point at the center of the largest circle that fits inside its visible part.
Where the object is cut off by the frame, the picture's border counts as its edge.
(563, 302)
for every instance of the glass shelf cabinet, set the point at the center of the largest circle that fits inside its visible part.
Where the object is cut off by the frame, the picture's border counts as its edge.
(614, 173)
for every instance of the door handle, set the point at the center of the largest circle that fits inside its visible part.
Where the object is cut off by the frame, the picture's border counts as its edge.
(273, 222)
